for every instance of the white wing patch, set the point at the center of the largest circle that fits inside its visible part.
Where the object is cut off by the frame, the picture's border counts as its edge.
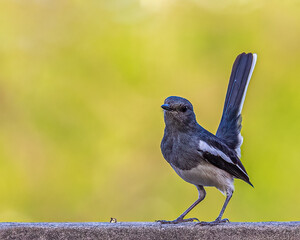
(207, 148)
(216, 152)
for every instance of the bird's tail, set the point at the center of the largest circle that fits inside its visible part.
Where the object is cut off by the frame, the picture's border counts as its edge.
(230, 125)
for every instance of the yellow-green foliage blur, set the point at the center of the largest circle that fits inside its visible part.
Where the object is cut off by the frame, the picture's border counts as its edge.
(81, 84)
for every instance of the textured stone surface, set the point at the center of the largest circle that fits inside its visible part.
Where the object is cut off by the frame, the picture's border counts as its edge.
(140, 230)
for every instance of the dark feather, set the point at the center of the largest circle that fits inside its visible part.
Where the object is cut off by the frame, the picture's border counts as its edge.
(230, 125)
(226, 166)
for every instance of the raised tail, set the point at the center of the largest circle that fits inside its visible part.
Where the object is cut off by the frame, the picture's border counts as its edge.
(230, 125)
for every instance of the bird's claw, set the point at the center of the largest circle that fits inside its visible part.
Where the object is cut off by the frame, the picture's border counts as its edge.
(178, 220)
(213, 223)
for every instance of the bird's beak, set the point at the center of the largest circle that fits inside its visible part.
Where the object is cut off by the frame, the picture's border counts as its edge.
(166, 107)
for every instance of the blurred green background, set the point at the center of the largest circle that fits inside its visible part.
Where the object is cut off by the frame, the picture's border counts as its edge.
(81, 84)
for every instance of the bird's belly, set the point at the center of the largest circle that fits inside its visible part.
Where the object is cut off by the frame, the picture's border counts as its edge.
(206, 174)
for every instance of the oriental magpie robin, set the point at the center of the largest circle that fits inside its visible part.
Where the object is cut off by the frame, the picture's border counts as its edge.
(200, 157)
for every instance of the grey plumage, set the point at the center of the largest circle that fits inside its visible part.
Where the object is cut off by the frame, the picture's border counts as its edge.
(200, 157)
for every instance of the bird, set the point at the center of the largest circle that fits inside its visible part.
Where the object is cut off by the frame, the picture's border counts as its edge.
(200, 157)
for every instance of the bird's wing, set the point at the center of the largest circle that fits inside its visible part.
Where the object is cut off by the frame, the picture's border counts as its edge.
(222, 157)
(230, 125)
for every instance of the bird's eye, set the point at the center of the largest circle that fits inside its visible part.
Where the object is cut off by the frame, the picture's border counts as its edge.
(183, 108)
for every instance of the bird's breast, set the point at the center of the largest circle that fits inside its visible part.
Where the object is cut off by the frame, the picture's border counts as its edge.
(180, 151)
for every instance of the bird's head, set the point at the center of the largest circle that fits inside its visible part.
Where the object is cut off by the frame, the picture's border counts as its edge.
(179, 112)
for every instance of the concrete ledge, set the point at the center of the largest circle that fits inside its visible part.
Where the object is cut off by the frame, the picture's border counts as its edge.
(140, 230)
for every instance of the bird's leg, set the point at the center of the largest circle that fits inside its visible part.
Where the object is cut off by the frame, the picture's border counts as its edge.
(181, 219)
(219, 218)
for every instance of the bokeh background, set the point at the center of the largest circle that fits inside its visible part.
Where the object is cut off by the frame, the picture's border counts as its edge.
(81, 84)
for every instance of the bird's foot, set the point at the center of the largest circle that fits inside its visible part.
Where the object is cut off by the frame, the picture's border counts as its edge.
(213, 223)
(178, 220)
